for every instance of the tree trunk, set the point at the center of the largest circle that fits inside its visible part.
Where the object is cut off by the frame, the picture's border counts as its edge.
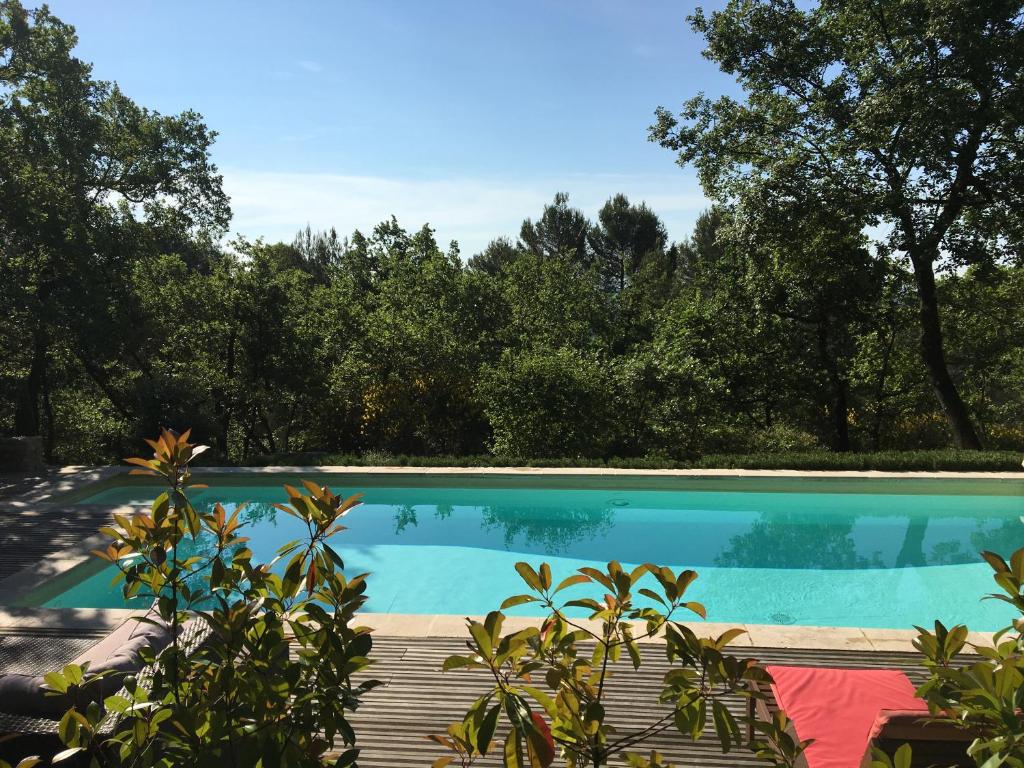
(934, 356)
(883, 375)
(840, 410)
(26, 413)
(221, 406)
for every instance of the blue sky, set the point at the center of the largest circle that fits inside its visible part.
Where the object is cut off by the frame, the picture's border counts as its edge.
(466, 115)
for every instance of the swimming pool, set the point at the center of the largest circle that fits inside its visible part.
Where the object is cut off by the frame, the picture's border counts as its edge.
(874, 554)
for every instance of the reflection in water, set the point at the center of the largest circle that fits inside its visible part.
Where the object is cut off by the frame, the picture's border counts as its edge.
(781, 540)
(405, 515)
(554, 530)
(257, 512)
(912, 551)
(551, 529)
(800, 539)
(1004, 538)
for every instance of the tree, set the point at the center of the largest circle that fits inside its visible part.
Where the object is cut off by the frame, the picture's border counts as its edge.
(560, 232)
(984, 307)
(81, 165)
(813, 269)
(626, 236)
(550, 302)
(705, 247)
(499, 253)
(418, 353)
(906, 113)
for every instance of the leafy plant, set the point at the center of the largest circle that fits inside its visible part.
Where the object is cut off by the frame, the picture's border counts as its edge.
(984, 696)
(575, 659)
(273, 683)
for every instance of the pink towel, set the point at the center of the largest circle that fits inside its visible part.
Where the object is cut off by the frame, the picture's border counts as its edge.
(837, 707)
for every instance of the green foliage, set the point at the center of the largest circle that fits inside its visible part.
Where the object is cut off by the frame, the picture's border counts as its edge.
(547, 403)
(950, 460)
(983, 696)
(569, 715)
(894, 113)
(273, 683)
(780, 325)
(885, 461)
(87, 176)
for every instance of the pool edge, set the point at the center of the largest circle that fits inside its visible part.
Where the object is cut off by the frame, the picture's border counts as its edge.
(453, 626)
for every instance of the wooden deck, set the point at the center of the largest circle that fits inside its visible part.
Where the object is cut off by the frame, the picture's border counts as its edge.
(417, 699)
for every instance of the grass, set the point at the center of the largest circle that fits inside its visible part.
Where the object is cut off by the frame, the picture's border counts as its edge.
(948, 460)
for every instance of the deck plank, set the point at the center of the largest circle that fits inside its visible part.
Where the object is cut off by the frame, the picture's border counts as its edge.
(417, 699)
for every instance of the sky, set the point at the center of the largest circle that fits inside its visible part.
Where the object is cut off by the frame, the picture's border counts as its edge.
(468, 115)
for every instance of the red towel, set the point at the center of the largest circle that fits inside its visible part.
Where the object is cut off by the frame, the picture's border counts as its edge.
(837, 707)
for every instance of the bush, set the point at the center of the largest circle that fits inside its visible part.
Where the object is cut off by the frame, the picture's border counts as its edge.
(783, 438)
(573, 719)
(546, 403)
(243, 697)
(982, 695)
(949, 460)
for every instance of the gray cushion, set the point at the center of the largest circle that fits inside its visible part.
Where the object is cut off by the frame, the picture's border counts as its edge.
(118, 654)
(24, 695)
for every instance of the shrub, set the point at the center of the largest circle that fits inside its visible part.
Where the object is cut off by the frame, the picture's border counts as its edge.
(984, 695)
(545, 403)
(573, 718)
(783, 438)
(948, 460)
(243, 697)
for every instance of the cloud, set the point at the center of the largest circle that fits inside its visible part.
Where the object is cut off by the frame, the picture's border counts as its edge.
(472, 211)
(310, 66)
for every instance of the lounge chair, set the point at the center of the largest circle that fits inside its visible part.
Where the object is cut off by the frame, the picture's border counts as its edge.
(844, 712)
(29, 716)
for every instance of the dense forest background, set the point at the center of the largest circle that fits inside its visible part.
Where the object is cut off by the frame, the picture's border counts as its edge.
(780, 324)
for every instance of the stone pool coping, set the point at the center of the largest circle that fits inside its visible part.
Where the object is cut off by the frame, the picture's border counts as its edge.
(452, 625)
(46, 497)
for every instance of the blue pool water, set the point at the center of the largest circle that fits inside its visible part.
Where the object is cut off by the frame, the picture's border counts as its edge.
(831, 559)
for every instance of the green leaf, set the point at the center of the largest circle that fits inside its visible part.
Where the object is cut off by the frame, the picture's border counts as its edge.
(457, 662)
(725, 725)
(56, 682)
(66, 753)
(487, 726)
(728, 636)
(545, 576)
(513, 750)
(578, 578)
(541, 698)
(651, 594)
(902, 757)
(348, 757)
(529, 576)
(482, 637)
(511, 602)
